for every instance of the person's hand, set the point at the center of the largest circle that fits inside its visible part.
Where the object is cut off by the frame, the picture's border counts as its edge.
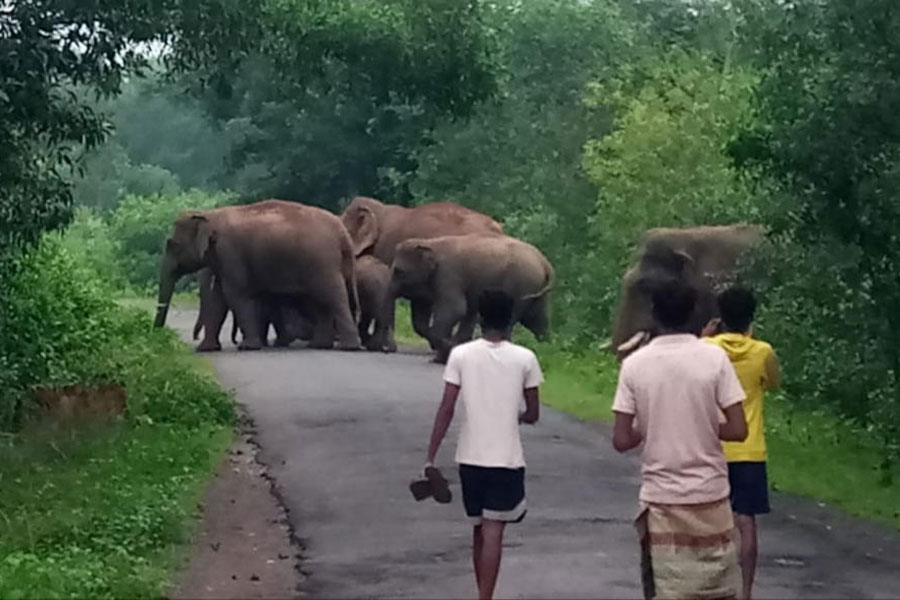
(710, 328)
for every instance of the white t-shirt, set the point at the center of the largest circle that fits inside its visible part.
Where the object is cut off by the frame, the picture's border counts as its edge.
(492, 377)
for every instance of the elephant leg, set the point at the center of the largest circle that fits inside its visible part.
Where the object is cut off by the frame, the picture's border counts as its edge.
(342, 317)
(283, 337)
(421, 318)
(213, 314)
(447, 314)
(365, 325)
(323, 329)
(466, 330)
(246, 310)
(535, 318)
(264, 322)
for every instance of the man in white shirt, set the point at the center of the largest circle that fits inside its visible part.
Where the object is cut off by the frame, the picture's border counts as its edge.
(492, 376)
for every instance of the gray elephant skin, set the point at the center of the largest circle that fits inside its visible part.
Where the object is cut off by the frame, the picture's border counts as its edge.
(451, 272)
(271, 248)
(702, 256)
(283, 314)
(377, 228)
(372, 280)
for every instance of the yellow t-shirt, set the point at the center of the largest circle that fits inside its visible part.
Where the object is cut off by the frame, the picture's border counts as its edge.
(756, 368)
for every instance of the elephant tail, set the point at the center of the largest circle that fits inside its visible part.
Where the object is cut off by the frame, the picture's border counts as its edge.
(348, 269)
(549, 280)
(234, 330)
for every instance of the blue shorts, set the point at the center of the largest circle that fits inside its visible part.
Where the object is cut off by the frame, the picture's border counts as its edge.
(749, 488)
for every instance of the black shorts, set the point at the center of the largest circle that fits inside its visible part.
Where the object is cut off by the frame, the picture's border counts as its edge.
(749, 488)
(493, 493)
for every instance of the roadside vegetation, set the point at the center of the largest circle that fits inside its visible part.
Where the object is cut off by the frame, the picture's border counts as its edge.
(577, 124)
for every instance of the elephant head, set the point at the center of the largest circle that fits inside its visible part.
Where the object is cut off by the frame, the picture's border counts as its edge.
(698, 255)
(187, 250)
(361, 218)
(413, 269)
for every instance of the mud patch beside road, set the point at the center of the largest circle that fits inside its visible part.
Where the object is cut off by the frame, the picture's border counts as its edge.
(243, 547)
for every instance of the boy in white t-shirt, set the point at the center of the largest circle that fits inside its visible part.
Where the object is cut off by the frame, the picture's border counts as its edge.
(492, 376)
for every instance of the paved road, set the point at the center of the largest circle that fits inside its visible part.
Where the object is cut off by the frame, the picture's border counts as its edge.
(344, 432)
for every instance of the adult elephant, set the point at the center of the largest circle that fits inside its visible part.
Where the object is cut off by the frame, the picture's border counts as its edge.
(281, 314)
(703, 256)
(451, 272)
(268, 248)
(377, 228)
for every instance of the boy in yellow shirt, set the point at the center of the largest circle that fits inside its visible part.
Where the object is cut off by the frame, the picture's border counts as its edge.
(757, 369)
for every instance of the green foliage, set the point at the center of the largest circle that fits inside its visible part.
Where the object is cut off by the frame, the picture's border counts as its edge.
(61, 327)
(47, 46)
(828, 132)
(89, 241)
(140, 225)
(518, 159)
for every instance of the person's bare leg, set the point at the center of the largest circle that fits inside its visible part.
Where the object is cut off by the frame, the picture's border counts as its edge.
(477, 548)
(491, 551)
(746, 525)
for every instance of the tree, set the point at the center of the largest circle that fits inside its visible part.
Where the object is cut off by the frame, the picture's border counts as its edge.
(829, 132)
(433, 52)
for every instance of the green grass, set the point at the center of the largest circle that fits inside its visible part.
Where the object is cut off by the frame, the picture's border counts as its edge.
(813, 455)
(100, 513)
(148, 303)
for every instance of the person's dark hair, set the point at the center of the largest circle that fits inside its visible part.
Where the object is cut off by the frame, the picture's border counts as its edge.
(737, 306)
(495, 308)
(673, 304)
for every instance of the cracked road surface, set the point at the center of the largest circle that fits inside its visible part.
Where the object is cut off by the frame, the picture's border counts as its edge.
(343, 434)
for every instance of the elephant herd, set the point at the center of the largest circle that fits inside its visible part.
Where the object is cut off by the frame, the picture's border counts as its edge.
(317, 277)
(314, 276)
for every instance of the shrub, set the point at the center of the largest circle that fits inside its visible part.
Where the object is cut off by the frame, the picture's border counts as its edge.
(142, 223)
(89, 241)
(60, 326)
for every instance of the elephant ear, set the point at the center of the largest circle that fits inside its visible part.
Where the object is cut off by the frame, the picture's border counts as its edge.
(426, 256)
(366, 230)
(205, 236)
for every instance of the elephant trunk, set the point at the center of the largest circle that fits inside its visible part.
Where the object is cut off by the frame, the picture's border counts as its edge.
(168, 275)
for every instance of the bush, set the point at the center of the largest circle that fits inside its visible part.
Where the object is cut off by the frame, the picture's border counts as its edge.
(89, 241)
(142, 223)
(60, 326)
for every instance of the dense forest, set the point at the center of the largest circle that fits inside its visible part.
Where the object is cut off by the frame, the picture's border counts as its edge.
(578, 124)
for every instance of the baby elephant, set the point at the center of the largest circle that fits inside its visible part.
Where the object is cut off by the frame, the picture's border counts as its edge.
(372, 280)
(451, 272)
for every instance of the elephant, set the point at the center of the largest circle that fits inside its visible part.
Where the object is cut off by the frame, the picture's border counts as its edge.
(282, 314)
(372, 280)
(377, 228)
(703, 256)
(270, 248)
(451, 272)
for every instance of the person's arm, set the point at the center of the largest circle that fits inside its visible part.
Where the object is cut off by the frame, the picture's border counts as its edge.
(711, 328)
(442, 420)
(534, 377)
(734, 429)
(532, 407)
(772, 380)
(625, 436)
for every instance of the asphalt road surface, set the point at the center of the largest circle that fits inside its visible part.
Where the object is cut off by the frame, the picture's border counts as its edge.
(343, 434)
